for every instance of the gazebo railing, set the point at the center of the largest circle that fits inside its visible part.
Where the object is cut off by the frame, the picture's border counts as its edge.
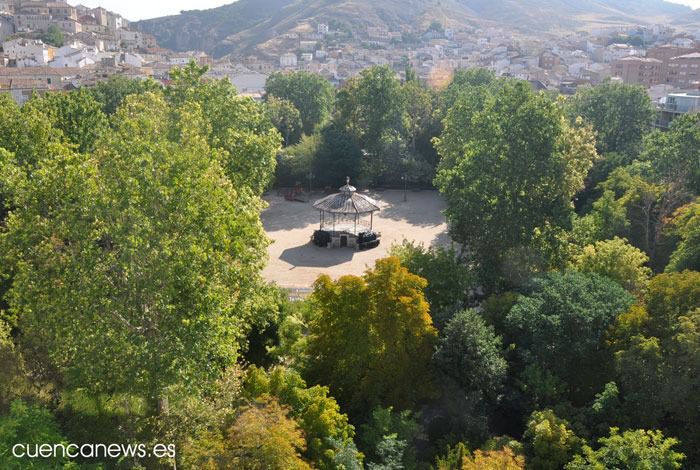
(346, 225)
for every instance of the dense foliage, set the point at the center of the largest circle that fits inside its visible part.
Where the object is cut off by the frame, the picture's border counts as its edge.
(560, 328)
(311, 94)
(372, 335)
(510, 168)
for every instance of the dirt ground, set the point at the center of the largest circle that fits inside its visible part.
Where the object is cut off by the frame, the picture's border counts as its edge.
(295, 262)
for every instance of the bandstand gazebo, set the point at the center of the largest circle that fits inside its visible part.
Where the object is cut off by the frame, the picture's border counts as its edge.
(346, 219)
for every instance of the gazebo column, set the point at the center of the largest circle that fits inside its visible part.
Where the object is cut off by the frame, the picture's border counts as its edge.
(371, 221)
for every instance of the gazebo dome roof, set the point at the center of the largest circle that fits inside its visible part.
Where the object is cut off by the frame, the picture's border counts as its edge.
(347, 201)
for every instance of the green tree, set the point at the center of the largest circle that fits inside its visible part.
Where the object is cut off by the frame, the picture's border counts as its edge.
(621, 115)
(390, 452)
(112, 92)
(561, 325)
(637, 208)
(310, 93)
(509, 171)
(286, 119)
(371, 108)
(372, 338)
(263, 437)
(464, 81)
(686, 226)
(607, 219)
(469, 352)
(419, 110)
(13, 381)
(53, 36)
(658, 348)
(115, 286)
(448, 278)
(675, 155)
(549, 441)
(77, 114)
(388, 436)
(237, 127)
(617, 260)
(33, 426)
(638, 449)
(195, 422)
(297, 161)
(326, 429)
(27, 133)
(337, 157)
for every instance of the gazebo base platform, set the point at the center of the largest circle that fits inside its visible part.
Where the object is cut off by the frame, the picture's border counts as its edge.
(362, 241)
(342, 240)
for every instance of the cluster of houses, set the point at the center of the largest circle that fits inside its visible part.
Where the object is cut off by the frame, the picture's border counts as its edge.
(27, 16)
(662, 59)
(100, 43)
(562, 62)
(97, 44)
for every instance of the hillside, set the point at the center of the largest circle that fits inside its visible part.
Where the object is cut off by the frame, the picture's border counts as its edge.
(240, 26)
(690, 19)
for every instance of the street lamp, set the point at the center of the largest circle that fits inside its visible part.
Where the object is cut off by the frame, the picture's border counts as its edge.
(404, 178)
(310, 176)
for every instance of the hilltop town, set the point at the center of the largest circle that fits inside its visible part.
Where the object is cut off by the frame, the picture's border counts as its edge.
(95, 43)
(52, 45)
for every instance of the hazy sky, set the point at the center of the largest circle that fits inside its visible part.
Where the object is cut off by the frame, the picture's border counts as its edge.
(140, 9)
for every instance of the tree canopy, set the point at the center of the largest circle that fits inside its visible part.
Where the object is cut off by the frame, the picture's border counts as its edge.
(561, 327)
(115, 287)
(372, 336)
(620, 114)
(510, 168)
(631, 449)
(469, 352)
(310, 93)
(617, 260)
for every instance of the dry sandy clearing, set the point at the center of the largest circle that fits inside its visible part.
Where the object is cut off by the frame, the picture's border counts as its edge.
(296, 263)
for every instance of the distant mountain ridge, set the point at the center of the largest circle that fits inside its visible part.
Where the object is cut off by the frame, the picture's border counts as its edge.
(239, 27)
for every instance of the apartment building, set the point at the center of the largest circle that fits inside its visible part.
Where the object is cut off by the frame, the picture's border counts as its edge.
(667, 52)
(684, 71)
(639, 71)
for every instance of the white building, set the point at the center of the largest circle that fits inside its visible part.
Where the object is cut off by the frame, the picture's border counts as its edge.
(28, 52)
(130, 39)
(115, 21)
(615, 52)
(77, 59)
(134, 60)
(7, 7)
(179, 59)
(288, 60)
(247, 83)
(74, 55)
(322, 28)
(683, 42)
(7, 26)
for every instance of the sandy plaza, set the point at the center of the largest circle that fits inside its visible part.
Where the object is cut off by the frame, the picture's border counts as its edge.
(295, 262)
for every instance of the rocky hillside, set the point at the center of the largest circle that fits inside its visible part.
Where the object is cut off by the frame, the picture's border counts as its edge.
(241, 26)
